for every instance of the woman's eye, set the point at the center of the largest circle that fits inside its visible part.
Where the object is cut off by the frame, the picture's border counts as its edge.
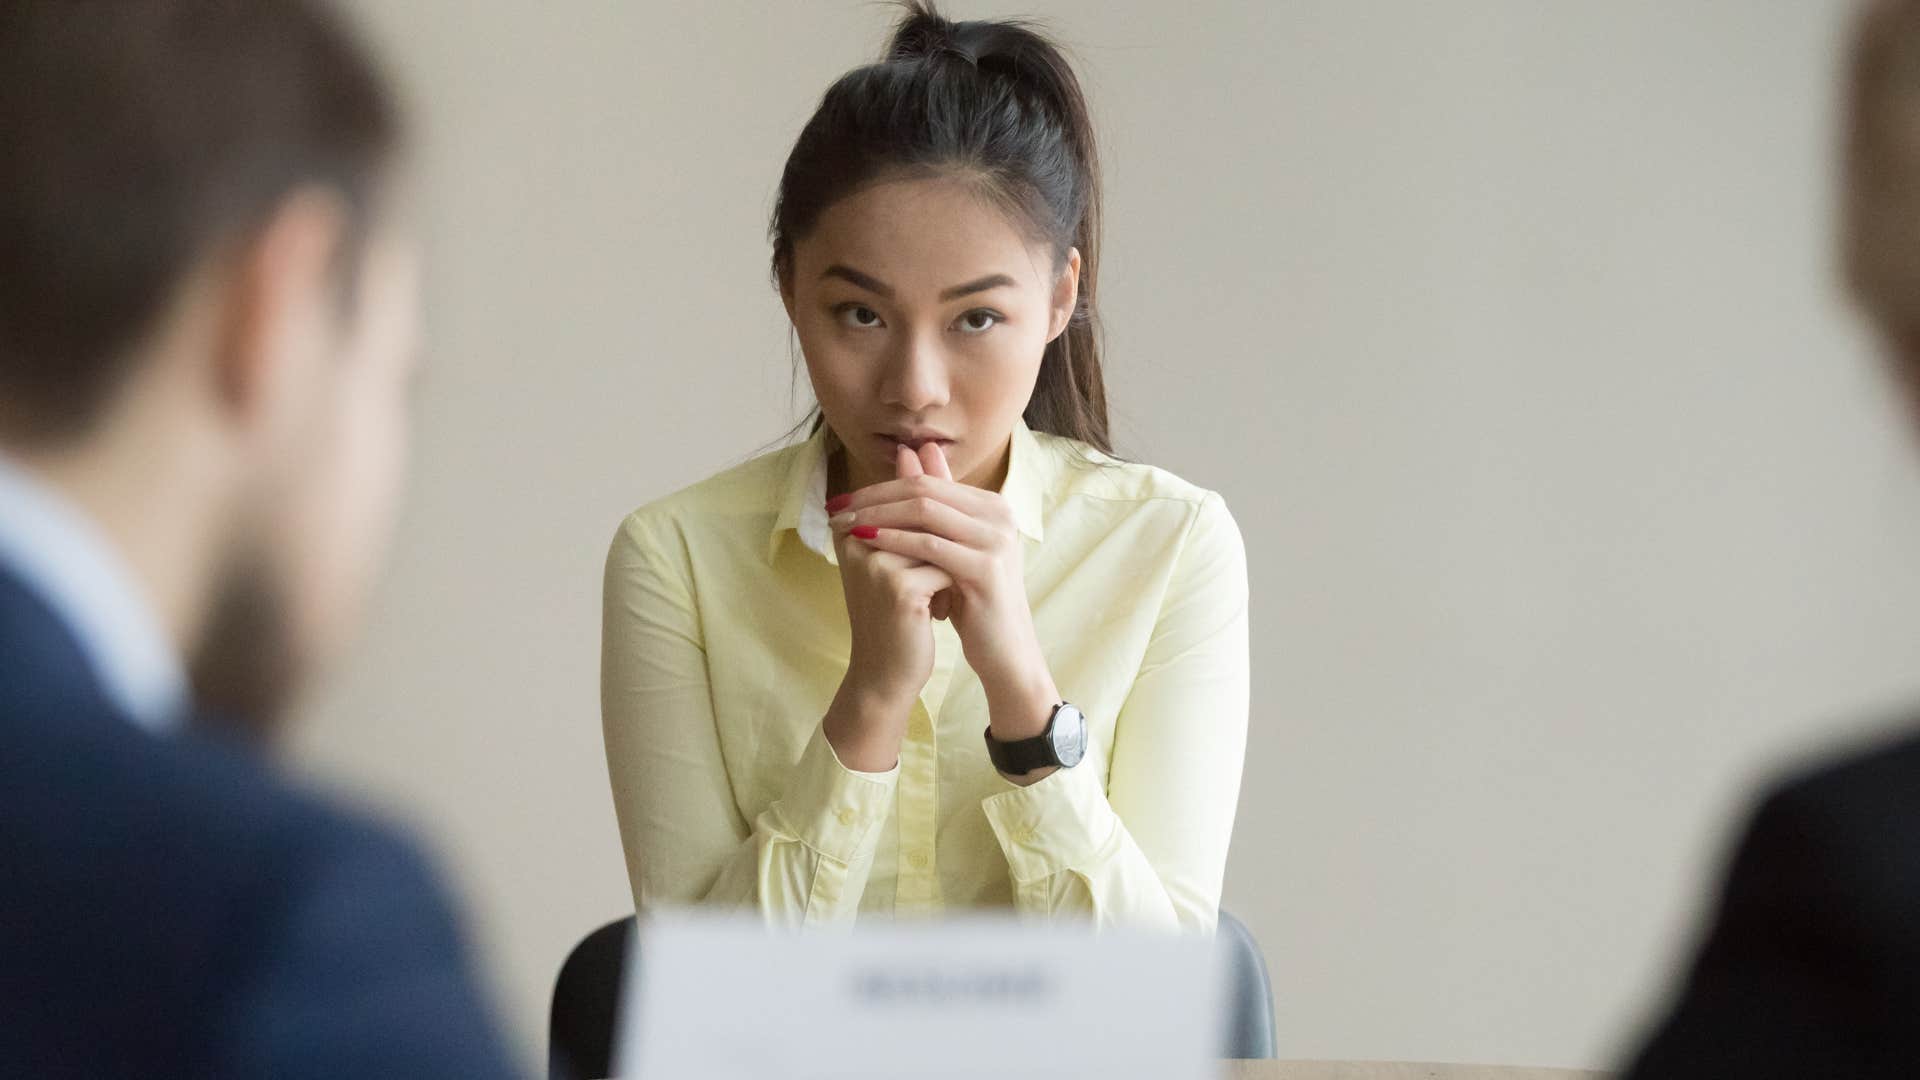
(859, 317)
(978, 321)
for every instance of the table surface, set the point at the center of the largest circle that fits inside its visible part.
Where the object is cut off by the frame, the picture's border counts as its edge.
(1394, 1070)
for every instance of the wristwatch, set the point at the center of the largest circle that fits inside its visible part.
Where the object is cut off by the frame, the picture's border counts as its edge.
(1064, 743)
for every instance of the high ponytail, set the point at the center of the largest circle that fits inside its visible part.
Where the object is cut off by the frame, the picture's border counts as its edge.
(996, 103)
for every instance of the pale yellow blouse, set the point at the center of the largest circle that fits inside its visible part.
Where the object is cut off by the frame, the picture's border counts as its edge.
(725, 638)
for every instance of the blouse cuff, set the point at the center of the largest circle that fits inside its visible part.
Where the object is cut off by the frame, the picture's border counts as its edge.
(833, 809)
(1053, 824)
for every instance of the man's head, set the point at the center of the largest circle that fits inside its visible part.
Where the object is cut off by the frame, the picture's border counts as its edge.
(207, 309)
(1881, 212)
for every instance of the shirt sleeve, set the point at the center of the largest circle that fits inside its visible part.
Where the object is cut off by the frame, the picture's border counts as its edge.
(1151, 849)
(805, 860)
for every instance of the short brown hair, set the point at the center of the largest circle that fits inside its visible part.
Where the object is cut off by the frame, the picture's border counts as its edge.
(1881, 214)
(137, 137)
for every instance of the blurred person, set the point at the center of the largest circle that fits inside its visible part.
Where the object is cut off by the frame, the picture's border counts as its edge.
(1811, 965)
(949, 652)
(207, 297)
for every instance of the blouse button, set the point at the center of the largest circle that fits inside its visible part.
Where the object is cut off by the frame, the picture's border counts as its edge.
(847, 817)
(918, 859)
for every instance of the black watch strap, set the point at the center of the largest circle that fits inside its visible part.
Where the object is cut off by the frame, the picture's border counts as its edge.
(1022, 756)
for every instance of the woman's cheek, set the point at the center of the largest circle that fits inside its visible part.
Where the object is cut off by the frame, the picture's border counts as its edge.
(1018, 365)
(836, 383)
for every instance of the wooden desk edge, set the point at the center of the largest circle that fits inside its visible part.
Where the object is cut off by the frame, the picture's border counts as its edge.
(1396, 1070)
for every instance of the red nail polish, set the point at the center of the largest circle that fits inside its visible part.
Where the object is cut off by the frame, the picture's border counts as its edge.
(866, 532)
(839, 503)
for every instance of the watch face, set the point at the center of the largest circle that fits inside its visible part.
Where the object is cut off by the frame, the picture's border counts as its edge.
(1069, 736)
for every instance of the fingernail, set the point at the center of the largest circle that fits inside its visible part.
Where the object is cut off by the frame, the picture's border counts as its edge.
(841, 520)
(839, 503)
(866, 532)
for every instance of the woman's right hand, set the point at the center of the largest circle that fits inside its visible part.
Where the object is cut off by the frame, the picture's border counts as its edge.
(890, 602)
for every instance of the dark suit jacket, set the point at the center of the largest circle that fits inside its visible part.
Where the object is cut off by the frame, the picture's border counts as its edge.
(1812, 966)
(168, 907)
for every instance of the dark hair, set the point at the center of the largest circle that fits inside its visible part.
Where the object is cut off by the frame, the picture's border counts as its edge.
(997, 104)
(139, 137)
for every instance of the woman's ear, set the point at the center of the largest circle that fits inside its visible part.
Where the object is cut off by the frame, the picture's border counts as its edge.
(783, 274)
(1066, 295)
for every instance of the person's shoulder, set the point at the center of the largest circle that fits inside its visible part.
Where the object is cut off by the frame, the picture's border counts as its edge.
(159, 880)
(356, 961)
(1112, 490)
(218, 797)
(1080, 471)
(742, 497)
(1846, 831)
(331, 836)
(178, 842)
(352, 930)
(1880, 775)
(99, 770)
(200, 792)
(349, 865)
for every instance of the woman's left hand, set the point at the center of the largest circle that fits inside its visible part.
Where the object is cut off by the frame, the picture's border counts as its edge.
(970, 533)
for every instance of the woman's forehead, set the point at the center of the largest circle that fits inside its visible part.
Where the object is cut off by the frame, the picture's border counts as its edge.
(920, 234)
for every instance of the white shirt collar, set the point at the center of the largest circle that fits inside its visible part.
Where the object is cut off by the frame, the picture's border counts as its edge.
(64, 558)
(812, 526)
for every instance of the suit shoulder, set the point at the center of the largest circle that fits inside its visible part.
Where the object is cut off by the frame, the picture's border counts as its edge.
(1879, 779)
(1839, 844)
(355, 877)
(201, 800)
(362, 966)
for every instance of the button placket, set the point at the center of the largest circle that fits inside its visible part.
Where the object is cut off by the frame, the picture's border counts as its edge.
(917, 888)
(918, 806)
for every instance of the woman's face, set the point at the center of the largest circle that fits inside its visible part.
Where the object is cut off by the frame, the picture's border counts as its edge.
(923, 312)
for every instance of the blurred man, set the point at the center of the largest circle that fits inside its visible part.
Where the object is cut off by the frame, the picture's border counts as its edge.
(206, 334)
(1812, 966)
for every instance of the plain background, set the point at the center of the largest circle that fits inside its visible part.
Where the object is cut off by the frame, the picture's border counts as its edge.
(1510, 332)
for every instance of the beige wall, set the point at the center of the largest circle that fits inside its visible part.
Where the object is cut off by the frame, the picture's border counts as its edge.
(1507, 329)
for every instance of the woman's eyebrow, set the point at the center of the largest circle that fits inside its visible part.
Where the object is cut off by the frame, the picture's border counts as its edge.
(866, 281)
(991, 281)
(875, 285)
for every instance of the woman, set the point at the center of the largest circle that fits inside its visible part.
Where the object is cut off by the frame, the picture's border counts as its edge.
(801, 655)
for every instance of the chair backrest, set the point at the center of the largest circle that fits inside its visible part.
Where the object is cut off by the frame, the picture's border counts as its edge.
(586, 1000)
(1249, 992)
(586, 1004)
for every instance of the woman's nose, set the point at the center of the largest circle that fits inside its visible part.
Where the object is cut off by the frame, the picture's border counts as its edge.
(916, 378)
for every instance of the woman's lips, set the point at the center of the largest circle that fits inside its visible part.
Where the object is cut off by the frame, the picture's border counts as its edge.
(889, 442)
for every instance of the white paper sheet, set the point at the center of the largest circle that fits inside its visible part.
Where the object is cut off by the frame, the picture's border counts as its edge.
(721, 998)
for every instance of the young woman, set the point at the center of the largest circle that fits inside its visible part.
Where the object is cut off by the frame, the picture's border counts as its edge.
(803, 654)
